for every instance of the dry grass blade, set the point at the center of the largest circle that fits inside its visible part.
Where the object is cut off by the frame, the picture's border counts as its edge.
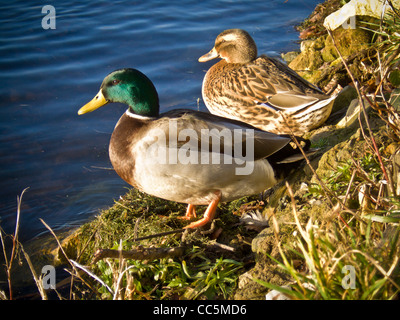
(38, 281)
(77, 274)
(77, 265)
(9, 262)
(329, 194)
(58, 241)
(361, 101)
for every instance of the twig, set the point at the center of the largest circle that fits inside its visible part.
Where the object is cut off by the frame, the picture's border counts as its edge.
(338, 67)
(393, 8)
(349, 186)
(220, 246)
(119, 280)
(156, 235)
(5, 255)
(16, 232)
(142, 253)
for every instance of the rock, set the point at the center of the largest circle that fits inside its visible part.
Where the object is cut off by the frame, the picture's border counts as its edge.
(346, 16)
(263, 242)
(312, 45)
(395, 99)
(71, 246)
(276, 295)
(310, 57)
(391, 150)
(394, 78)
(352, 113)
(335, 157)
(318, 54)
(344, 98)
(306, 61)
(248, 289)
(329, 54)
(348, 41)
(289, 56)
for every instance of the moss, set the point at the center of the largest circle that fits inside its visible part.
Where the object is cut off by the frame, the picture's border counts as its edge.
(348, 42)
(308, 60)
(314, 76)
(289, 56)
(329, 54)
(394, 78)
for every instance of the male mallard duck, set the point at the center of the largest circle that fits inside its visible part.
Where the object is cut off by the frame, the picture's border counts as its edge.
(260, 91)
(171, 156)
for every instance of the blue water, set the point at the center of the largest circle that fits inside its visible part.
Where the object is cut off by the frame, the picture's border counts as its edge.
(47, 75)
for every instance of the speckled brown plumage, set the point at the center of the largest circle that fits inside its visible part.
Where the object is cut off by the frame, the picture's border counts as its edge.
(261, 91)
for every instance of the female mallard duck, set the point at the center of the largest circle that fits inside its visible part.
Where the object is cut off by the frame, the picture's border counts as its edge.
(171, 156)
(260, 91)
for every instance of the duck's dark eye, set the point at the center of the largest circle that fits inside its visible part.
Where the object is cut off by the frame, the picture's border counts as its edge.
(115, 82)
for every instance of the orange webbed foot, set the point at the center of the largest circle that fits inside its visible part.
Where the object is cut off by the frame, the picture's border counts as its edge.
(208, 215)
(190, 212)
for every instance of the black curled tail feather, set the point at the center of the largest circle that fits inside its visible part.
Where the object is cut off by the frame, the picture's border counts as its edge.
(289, 157)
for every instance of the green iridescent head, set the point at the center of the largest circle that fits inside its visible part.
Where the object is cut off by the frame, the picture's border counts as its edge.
(128, 86)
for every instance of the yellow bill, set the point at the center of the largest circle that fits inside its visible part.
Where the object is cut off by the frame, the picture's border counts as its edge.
(209, 56)
(94, 104)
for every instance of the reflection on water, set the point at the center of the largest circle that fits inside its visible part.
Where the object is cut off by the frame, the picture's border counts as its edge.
(47, 75)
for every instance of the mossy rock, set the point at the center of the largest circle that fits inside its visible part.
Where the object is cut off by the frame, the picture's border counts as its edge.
(71, 246)
(311, 76)
(313, 45)
(289, 56)
(270, 272)
(329, 54)
(395, 99)
(394, 78)
(344, 98)
(310, 56)
(310, 60)
(348, 41)
(336, 156)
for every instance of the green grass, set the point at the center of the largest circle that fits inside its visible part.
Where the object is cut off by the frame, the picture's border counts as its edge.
(345, 263)
(194, 277)
(353, 251)
(200, 273)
